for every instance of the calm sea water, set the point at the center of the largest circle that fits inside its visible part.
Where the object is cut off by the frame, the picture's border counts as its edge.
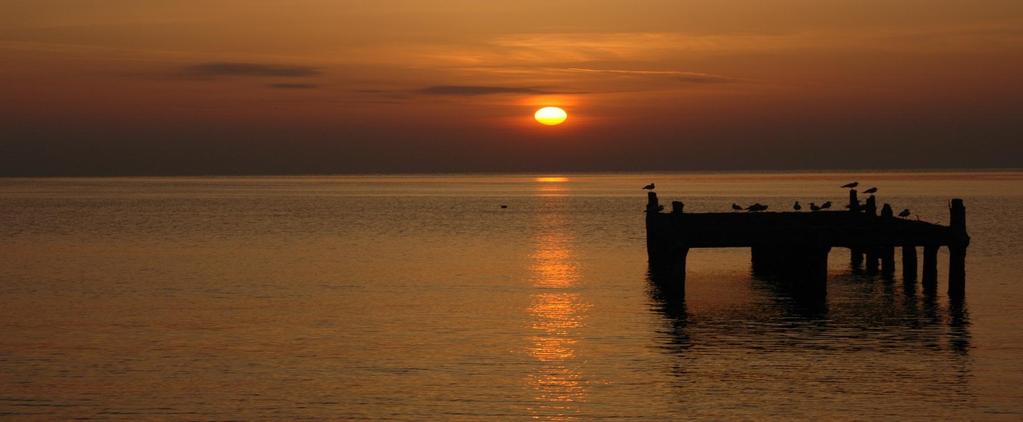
(419, 298)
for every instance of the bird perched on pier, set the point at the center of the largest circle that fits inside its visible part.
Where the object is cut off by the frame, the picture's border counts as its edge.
(814, 207)
(905, 213)
(796, 206)
(871, 190)
(736, 207)
(826, 205)
(649, 187)
(851, 185)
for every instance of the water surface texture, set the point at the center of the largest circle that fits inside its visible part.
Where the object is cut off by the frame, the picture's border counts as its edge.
(420, 298)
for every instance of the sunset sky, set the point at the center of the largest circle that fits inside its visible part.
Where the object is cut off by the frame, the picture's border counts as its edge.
(154, 87)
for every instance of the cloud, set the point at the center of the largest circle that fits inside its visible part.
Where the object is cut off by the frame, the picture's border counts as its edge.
(221, 69)
(469, 90)
(293, 86)
(681, 76)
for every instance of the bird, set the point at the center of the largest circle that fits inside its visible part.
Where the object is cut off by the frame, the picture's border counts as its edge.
(504, 206)
(851, 185)
(649, 187)
(905, 213)
(871, 190)
(796, 206)
(736, 207)
(826, 205)
(814, 207)
(660, 208)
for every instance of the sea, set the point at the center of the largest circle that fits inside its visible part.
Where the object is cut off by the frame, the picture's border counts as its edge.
(485, 297)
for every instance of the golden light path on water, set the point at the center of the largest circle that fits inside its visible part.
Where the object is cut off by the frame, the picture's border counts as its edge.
(557, 312)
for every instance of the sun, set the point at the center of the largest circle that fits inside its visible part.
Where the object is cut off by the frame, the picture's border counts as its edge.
(550, 116)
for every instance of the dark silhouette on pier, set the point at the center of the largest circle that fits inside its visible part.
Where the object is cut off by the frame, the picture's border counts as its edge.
(649, 187)
(851, 185)
(796, 245)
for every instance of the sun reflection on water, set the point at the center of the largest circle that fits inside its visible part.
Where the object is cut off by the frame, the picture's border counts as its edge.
(557, 311)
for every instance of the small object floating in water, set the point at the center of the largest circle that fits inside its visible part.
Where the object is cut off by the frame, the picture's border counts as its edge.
(905, 213)
(871, 190)
(796, 206)
(649, 187)
(851, 185)
(757, 207)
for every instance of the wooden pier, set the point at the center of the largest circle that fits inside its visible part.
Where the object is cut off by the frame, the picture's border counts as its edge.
(795, 245)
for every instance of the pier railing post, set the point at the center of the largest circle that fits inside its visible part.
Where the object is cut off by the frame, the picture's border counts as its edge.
(957, 248)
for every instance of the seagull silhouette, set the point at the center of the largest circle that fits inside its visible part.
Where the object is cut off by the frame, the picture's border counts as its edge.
(871, 190)
(826, 205)
(649, 187)
(905, 213)
(851, 185)
(796, 206)
(736, 207)
(814, 207)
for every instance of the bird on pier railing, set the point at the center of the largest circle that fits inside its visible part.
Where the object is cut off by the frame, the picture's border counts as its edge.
(814, 207)
(871, 190)
(796, 206)
(905, 213)
(826, 205)
(851, 185)
(649, 187)
(736, 207)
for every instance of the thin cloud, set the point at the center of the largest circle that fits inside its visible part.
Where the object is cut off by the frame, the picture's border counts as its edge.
(471, 90)
(293, 86)
(687, 77)
(226, 69)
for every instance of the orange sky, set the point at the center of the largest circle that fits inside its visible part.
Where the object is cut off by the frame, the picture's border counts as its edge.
(318, 86)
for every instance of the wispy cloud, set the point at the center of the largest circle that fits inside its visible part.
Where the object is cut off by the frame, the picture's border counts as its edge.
(681, 76)
(293, 86)
(224, 69)
(469, 90)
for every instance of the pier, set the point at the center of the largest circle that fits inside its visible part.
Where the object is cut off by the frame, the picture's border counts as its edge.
(795, 245)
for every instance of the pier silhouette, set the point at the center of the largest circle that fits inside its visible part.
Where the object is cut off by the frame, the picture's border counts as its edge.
(795, 245)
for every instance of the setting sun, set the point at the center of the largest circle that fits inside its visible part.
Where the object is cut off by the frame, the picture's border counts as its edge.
(550, 116)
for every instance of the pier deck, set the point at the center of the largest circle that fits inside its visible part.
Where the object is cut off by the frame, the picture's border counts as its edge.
(796, 244)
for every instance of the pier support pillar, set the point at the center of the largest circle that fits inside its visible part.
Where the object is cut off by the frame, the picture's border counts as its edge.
(930, 267)
(887, 252)
(856, 257)
(956, 270)
(887, 260)
(957, 249)
(873, 260)
(909, 263)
